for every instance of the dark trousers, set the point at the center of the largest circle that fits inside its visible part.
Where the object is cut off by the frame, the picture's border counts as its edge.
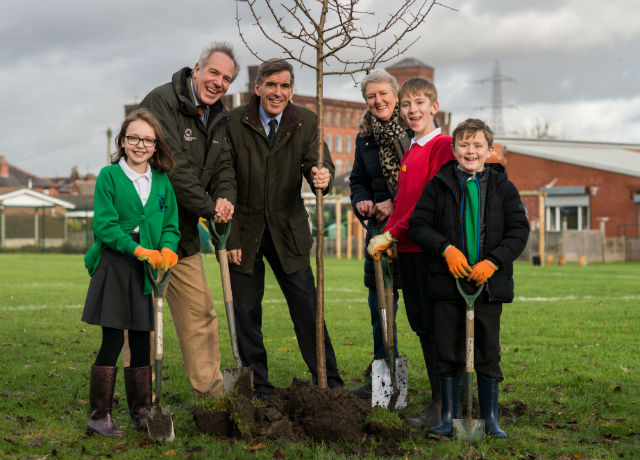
(300, 293)
(414, 276)
(450, 317)
(378, 343)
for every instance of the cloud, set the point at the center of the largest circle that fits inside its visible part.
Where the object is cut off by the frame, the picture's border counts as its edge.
(585, 121)
(513, 28)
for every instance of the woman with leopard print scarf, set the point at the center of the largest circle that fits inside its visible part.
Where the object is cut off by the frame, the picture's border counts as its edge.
(382, 140)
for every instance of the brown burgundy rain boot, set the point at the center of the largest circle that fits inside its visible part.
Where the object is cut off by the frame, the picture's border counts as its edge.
(137, 382)
(101, 385)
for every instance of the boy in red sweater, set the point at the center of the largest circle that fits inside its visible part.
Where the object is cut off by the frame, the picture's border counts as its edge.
(429, 150)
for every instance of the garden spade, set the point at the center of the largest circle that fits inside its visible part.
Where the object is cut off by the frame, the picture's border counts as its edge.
(159, 421)
(385, 384)
(468, 429)
(240, 379)
(389, 375)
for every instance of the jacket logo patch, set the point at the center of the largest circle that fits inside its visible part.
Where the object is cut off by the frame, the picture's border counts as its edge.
(404, 168)
(188, 135)
(161, 201)
(215, 141)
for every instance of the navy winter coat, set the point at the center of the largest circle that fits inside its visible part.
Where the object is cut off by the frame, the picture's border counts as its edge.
(437, 221)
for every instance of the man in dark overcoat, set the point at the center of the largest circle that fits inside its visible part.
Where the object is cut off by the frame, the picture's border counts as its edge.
(274, 144)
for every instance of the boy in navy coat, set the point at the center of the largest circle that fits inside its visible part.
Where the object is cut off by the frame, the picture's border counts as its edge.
(472, 222)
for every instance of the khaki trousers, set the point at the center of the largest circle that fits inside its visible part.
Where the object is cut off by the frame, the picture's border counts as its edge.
(196, 325)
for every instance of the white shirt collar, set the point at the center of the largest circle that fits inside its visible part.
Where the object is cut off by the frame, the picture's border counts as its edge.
(424, 139)
(131, 174)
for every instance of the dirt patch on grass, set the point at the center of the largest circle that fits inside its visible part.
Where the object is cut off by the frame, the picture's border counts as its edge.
(302, 412)
(514, 409)
(320, 415)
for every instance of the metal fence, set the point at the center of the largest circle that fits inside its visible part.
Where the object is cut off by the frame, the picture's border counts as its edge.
(583, 246)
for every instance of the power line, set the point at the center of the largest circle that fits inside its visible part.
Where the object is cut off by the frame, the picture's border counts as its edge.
(31, 155)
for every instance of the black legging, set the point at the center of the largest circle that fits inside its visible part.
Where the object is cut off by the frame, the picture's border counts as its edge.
(112, 342)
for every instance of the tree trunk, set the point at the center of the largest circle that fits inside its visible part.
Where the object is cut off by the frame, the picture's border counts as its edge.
(320, 351)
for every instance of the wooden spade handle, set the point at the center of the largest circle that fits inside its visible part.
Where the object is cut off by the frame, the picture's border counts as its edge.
(158, 327)
(382, 301)
(228, 304)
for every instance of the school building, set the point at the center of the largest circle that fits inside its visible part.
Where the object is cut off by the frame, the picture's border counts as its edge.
(588, 185)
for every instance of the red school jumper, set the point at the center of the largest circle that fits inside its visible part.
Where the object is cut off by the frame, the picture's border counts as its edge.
(419, 164)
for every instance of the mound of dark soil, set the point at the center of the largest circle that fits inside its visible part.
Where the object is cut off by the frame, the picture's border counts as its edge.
(301, 412)
(321, 415)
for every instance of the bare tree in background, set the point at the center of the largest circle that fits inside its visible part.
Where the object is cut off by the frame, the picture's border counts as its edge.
(329, 37)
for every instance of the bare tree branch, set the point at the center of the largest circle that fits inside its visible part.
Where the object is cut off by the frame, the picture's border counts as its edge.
(286, 50)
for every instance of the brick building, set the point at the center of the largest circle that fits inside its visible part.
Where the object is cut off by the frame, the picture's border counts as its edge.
(589, 185)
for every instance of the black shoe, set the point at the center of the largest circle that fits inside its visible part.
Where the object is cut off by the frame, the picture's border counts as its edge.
(363, 392)
(261, 393)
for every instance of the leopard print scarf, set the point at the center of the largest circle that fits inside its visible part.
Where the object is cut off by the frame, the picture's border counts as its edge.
(393, 141)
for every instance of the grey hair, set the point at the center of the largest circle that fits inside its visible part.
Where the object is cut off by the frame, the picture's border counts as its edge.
(219, 47)
(379, 76)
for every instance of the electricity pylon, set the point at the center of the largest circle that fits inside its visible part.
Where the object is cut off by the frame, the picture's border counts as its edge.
(496, 79)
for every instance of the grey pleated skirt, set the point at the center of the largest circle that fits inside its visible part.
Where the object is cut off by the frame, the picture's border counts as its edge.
(115, 297)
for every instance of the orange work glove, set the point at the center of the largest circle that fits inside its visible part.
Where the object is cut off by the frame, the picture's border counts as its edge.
(457, 262)
(150, 255)
(379, 243)
(482, 271)
(169, 259)
(391, 254)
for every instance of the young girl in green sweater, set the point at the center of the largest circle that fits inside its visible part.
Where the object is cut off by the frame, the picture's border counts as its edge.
(135, 222)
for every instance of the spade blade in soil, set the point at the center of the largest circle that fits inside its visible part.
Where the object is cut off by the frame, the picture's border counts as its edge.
(160, 424)
(238, 380)
(381, 389)
(468, 429)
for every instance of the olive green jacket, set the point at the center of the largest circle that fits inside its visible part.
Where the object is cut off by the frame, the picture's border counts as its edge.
(269, 184)
(202, 154)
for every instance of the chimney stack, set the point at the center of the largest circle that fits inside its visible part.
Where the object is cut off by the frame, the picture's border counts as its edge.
(253, 73)
(4, 167)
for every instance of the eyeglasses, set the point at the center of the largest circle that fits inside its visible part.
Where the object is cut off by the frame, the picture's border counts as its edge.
(135, 140)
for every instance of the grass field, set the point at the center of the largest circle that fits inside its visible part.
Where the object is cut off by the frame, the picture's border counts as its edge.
(570, 358)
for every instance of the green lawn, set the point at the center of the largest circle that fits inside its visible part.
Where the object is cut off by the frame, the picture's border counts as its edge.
(570, 359)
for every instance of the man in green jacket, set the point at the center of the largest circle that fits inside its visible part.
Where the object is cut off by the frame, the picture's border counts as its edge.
(193, 120)
(274, 144)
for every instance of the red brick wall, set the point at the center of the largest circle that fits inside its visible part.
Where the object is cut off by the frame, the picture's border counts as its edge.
(611, 193)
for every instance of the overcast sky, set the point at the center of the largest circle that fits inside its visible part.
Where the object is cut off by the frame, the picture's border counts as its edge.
(68, 67)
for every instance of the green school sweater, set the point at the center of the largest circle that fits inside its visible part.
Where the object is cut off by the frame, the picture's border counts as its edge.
(118, 210)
